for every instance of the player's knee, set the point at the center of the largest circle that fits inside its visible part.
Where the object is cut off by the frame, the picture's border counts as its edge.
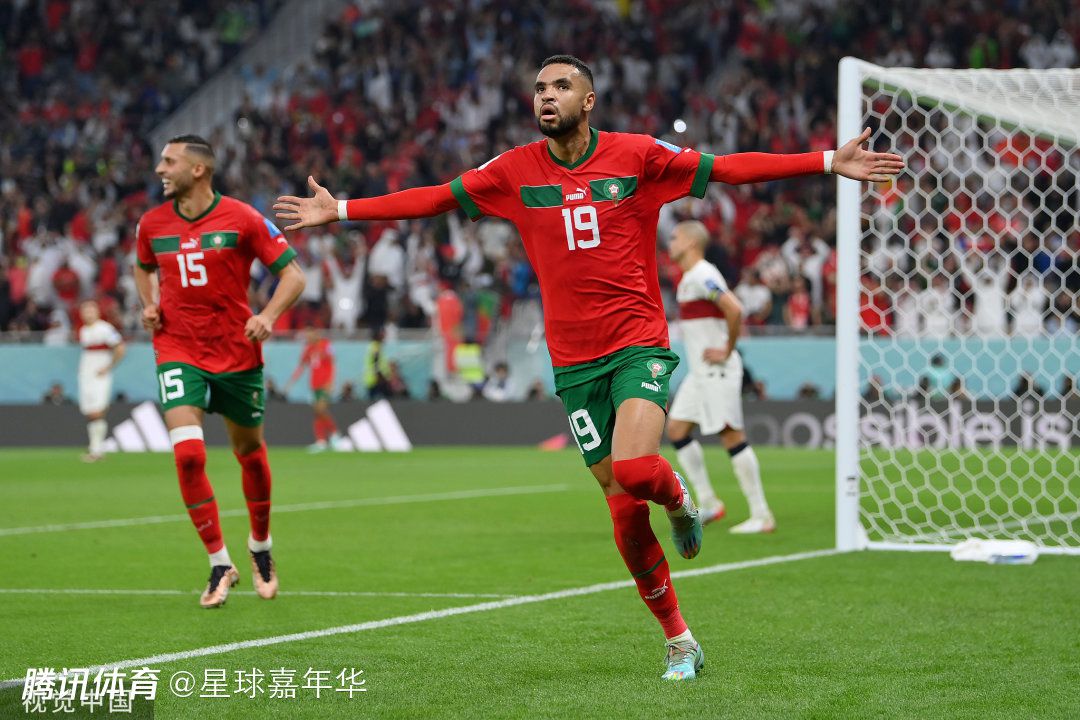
(637, 475)
(190, 459)
(189, 451)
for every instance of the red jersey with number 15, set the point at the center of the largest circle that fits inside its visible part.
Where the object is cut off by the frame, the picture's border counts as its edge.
(204, 270)
(589, 229)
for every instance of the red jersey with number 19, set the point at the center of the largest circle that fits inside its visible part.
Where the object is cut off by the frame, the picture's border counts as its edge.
(589, 229)
(204, 270)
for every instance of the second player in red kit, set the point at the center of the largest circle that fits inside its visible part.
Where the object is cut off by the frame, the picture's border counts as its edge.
(193, 272)
(586, 204)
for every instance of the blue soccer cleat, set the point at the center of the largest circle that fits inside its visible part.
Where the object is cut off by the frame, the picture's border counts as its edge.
(686, 524)
(684, 661)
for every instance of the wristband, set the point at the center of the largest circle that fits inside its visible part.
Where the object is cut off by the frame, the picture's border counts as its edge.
(828, 161)
(343, 205)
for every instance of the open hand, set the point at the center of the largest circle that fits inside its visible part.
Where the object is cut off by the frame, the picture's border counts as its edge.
(319, 209)
(853, 160)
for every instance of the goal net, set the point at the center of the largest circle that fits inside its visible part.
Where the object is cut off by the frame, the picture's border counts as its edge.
(958, 310)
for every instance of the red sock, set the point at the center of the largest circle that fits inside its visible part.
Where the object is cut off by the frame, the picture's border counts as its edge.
(645, 560)
(649, 478)
(190, 456)
(255, 472)
(324, 427)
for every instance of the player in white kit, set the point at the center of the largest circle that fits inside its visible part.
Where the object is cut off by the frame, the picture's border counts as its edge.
(102, 350)
(711, 395)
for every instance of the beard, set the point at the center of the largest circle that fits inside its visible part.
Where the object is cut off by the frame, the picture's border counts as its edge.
(563, 125)
(179, 188)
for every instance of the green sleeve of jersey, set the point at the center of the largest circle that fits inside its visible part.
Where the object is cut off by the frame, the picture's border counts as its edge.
(457, 186)
(701, 177)
(284, 259)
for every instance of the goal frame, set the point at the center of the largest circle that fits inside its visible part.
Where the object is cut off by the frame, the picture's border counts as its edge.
(850, 533)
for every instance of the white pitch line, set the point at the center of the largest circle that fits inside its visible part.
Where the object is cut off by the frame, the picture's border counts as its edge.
(301, 507)
(283, 593)
(437, 614)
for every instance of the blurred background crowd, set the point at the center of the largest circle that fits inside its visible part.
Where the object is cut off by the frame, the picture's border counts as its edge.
(406, 93)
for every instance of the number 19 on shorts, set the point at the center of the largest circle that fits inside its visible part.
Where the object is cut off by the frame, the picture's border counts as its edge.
(585, 434)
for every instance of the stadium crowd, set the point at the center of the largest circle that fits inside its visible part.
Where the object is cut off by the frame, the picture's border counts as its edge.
(412, 93)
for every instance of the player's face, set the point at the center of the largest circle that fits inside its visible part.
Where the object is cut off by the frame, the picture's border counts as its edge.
(678, 244)
(176, 171)
(89, 312)
(562, 95)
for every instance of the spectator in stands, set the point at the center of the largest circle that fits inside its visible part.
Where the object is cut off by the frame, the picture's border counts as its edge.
(988, 279)
(939, 383)
(1028, 388)
(1027, 302)
(56, 396)
(937, 308)
(756, 299)
(497, 385)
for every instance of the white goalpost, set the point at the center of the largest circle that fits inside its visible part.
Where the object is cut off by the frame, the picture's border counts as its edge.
(958, 311)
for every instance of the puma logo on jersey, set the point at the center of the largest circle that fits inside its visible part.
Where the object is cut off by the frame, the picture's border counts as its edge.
(579, 195)
(655, 387)
(190, 244)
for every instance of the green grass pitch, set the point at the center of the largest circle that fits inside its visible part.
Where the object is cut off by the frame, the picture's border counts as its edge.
(861, 635)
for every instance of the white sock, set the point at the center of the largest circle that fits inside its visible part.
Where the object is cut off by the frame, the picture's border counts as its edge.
(221, 557)
(748, 472)
(692, 458)
(96, 430)
(682, 638)
(259, 545)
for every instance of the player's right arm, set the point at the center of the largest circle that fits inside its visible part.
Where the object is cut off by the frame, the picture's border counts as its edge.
(733, 314)
(146, 281)
(322, 208)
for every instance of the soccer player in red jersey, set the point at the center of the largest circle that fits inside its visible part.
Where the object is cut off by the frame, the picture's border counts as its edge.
(318, 356)
(586, 204)
(192, 272)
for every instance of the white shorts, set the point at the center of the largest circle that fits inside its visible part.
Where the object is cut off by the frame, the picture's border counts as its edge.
(94, 393)
(712, 401)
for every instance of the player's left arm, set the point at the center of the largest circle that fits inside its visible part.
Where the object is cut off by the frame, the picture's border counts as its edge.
(852, 160)
(291, 282)
(269, 245)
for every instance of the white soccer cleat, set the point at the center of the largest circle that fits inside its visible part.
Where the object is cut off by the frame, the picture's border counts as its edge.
(712, 513)
(755, 525)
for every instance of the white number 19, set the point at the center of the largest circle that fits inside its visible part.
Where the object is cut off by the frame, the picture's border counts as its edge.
(582, 218)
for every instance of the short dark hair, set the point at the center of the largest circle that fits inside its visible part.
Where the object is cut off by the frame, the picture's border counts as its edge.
(195, 143)
(577, 64)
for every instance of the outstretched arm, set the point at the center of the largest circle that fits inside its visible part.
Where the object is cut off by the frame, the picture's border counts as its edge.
(852, 160)
(322, 208)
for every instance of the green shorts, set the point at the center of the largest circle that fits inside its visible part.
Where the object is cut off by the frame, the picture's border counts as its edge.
(322, 393)
(236, 395)
(591, 392)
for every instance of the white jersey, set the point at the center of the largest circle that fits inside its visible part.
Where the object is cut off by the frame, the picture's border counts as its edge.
(711, 394)
(702, 322)
(97, 340)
